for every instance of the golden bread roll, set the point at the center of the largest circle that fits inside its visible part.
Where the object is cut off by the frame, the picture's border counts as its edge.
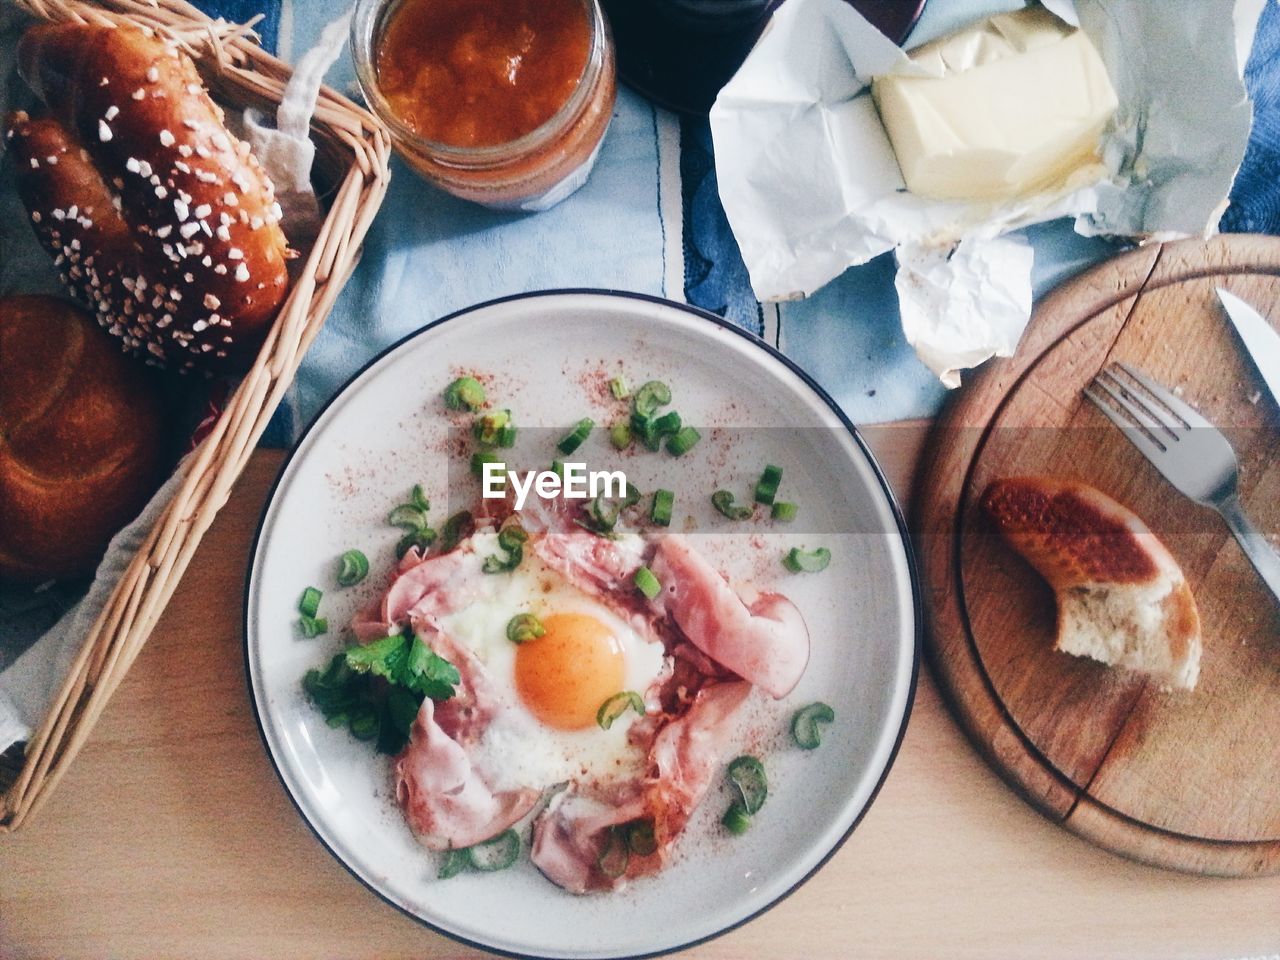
(81, 439)
(1122, 598)
(158, 216)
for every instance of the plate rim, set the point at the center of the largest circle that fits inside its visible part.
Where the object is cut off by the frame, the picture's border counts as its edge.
(913, 577)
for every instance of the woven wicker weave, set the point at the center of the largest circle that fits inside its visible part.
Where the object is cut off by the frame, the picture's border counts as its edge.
(352, 154)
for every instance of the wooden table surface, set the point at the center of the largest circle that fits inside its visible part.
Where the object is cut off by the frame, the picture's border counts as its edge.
(171, 836)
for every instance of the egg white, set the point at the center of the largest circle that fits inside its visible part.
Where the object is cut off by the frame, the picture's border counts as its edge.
(517, 750)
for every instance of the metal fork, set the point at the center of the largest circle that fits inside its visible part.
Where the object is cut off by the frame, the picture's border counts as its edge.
(1187, 449)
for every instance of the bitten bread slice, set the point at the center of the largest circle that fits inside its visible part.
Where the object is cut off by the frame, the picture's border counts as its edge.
(1122, 598)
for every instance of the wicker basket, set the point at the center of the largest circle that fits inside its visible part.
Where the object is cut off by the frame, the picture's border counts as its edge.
(352, 154)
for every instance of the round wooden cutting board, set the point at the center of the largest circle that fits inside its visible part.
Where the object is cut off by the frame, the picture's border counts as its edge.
(1187, 780)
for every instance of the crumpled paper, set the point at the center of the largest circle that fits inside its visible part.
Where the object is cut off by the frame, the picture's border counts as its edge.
(38, 669)
(811, 186)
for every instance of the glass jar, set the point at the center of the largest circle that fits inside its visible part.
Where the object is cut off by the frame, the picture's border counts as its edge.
(532, 172)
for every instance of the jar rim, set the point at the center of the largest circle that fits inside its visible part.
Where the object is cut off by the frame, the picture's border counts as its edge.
(367, 24)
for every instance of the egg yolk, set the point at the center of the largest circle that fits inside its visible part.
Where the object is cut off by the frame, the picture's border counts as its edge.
(566, 674)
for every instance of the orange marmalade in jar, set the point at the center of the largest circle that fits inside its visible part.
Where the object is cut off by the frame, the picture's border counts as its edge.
(504, 102)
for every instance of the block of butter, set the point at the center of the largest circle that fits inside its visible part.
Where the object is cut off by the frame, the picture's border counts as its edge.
(1018, 107)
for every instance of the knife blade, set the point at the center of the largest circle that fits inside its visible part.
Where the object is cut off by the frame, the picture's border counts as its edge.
(1261, 341)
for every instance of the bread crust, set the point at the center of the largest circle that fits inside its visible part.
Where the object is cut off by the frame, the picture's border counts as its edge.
(191, 267)
(81, 439)
(1073, 533)
(1085, 544)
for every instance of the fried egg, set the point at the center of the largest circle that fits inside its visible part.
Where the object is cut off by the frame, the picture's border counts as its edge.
(548, 690)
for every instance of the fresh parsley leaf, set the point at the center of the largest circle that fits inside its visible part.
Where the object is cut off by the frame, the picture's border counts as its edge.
(429, 673)
(348, 695)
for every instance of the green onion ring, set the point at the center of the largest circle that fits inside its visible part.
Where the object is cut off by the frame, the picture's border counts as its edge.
(572, 440)
(309, 603)
(524, 627)
(724, 501)
(812, 561)
(647, 583)
(804, 725)
(746, 773)
(736, 820)
(454, 862)
(650, 397)
(640, 838)
(615, 856)
(495, 854)
(353, 567)
(617, 705)
(465, 393)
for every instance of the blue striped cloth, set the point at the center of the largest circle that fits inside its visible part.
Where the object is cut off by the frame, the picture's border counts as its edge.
(650, 220)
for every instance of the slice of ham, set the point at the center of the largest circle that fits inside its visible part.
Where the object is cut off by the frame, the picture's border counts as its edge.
(445, 802)
(432, 586)
(570, 834)
(688, 753)
(759, 636)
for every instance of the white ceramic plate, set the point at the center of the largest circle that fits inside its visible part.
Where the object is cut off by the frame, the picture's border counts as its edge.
(548, 357)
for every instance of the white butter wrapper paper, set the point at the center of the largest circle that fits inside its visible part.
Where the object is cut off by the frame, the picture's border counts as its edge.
(811, 186)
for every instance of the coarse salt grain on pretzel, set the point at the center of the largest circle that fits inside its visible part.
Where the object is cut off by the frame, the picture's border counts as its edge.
(159, 216)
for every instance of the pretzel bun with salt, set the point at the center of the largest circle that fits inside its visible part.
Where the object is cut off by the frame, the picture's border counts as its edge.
(157, 215)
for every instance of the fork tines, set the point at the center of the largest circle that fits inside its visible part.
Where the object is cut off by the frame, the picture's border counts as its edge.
(1142, 408)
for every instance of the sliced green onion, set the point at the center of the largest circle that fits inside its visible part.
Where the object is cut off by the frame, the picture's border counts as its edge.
(455, 861)
(617, 705)
(313, 626)
(736, 820)
(647, 583)
(412, 518)
(650, 397)
(408, 516)
(746, 773)
(481, 457)
(489, 426)
(511, 538)
(415, 538)
(615, 856)
(784, 511)
(309, 603)
(419, 499)
(465, 393)
(723, 501)
(640, 838)
(455, 528)
(667, 425)
(603, 514)
(557, 467)
(364, 724)
(804, 725)
(572, 440)
(507, 436)
(632, 496)
(806, 561)
(683, 442)
(496, 854)
(660, 511)
(524, 627)
(618, 387)
(353, 566)
(642, 430)
(620, 435)
(767, 485)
